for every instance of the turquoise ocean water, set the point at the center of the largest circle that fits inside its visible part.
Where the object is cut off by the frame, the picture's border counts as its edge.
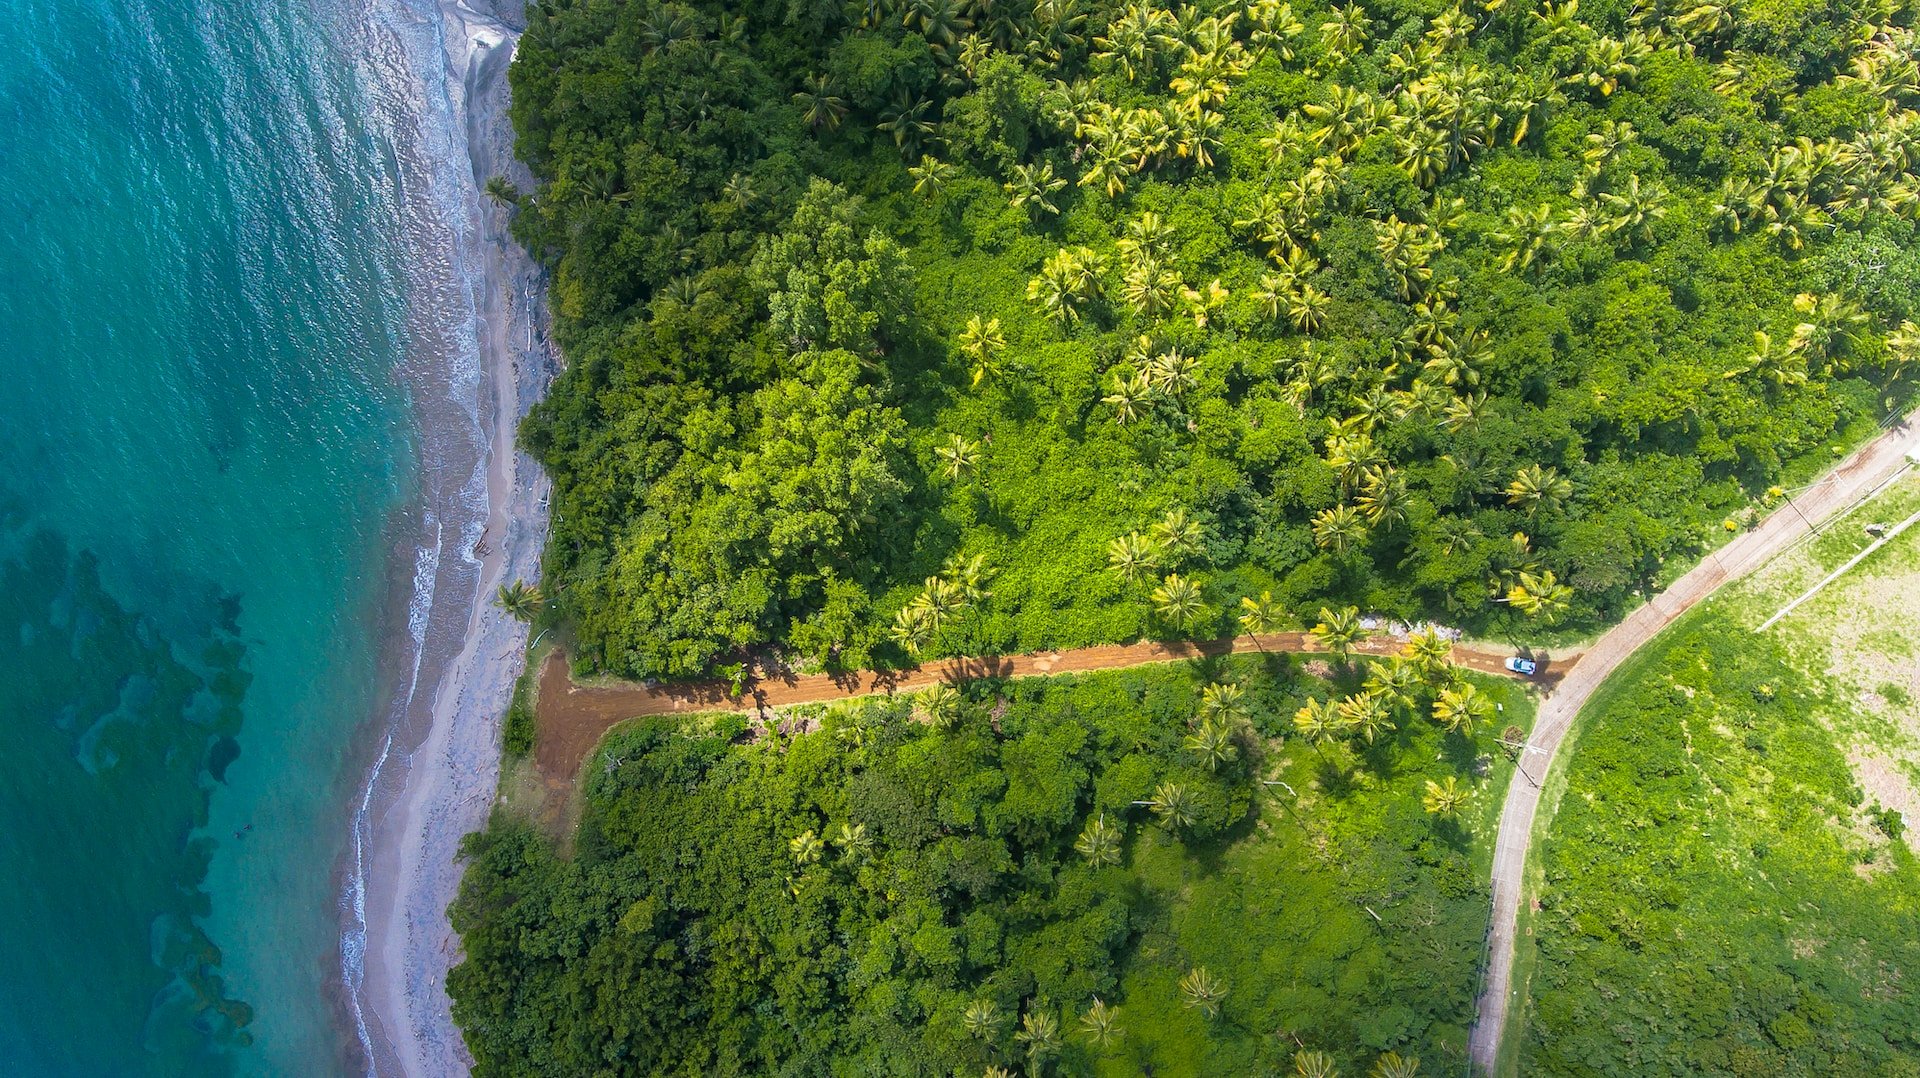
(201, 445)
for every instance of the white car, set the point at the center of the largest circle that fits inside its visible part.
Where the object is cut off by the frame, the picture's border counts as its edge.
(1521, 665)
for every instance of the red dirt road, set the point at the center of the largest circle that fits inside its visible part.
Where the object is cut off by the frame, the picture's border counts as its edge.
(571, 717)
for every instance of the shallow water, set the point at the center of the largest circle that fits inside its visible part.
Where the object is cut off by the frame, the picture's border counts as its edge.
(205, 454)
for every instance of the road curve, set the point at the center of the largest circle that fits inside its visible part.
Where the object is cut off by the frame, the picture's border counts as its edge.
(1854, 478)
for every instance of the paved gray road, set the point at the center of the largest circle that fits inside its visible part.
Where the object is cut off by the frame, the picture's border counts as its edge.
(1860, 473)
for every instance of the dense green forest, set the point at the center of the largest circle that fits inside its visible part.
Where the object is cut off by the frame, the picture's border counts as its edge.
(1721, 897)
(1100, 874)
(962, 326)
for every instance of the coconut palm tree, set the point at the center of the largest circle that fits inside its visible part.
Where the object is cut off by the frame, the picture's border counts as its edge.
(1829, 329)
(1634, 210)
(853, 840)
(1383, 498)
(1395, 1065)
(805, 847)
(1129, 398)
(958, 458)
(821, 105)
(1366, 713)
(1780, 366)
(1317, 721)
(1178, 600)
(913, 627)
(1225, 701)
(931, 176)
(939, 704)
(1339, 529)
(1173, 805)
(1445, 798)
(983, 342)
(1202, 991)
(1032, 187)
(1345, 30)
(1395, 681)
(907, 122)
(1178, 534)
(1461, 709)
(1132, 556)
(520, 600)
(1313, 1064)
(1100, 842)
(1539, 490)
(1040, 1032)
(1338, 630)
(1540, 595)
(1260, 616)
(981, 1020)
(1213, 743)
(1307, 309)
(1172, 373)
(1101, 1024)
(1430, 653)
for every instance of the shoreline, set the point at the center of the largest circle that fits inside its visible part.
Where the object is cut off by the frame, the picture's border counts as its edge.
(434, 776)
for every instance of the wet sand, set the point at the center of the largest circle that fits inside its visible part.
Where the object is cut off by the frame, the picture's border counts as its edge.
(438, 778)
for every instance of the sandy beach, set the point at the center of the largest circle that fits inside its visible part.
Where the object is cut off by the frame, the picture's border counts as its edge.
(437, 778)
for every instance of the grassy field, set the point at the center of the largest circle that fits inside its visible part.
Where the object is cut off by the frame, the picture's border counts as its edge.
(1728, 884)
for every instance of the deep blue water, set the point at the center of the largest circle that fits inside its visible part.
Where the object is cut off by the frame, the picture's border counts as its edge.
(201, 441)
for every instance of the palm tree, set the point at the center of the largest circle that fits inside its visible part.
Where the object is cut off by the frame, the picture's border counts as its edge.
(1173, 805)
(502, 191)
(1395, 680)
(1429, 652)
(852, 838)
(1213, 744)
(1339, 529)
(931, 176)
(1178, 534)
(1366, 712)
(1101, 1023)
(1178, 600)
(520, 600)
(940, 703)
(1345, 30)
(1172, 373)
(1040, 1032)
(805, 847)
(1395, 1065)
(981, 1019)
(1317, 721)
(958, 458)
(1338, 630)
(1100, 842)
(1782, 367)
(1223, 700)
(907, 122)
(1261, 616)
(1202, 991)
(1383, 499)
(1463, 708)
(1539, 490)
(820, 104)
(1307, 309)
(1132, 556)
(1445, 798)
(913, 627)
(1129, 397)
(1033, 186)
(1313, 1064)
(983, 342)
(1540, 595)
